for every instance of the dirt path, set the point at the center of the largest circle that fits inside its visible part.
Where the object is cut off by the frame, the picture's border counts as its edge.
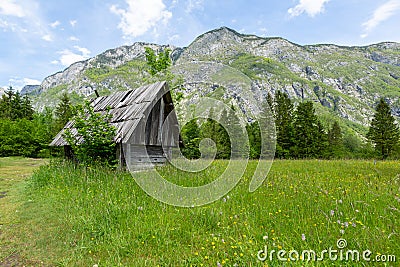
(14, 172)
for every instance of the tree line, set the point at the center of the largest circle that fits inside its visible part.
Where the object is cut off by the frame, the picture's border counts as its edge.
(299, 133)
(26, 132)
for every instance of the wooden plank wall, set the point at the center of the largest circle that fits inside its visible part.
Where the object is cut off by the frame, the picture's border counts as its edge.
(152, 124)
(142, 156)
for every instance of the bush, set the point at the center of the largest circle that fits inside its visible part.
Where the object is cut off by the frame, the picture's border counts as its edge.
(94, 141)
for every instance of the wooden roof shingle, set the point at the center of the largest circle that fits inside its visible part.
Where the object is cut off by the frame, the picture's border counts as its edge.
(127, 108)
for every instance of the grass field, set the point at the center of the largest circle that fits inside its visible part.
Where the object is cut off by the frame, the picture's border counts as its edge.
(13, 179)
(85, 217)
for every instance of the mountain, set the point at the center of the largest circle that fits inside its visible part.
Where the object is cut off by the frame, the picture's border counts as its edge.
(30, 89)
(345, 82)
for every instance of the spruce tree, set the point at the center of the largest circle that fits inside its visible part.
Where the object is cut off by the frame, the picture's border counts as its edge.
(6, 111)
(307, 130)
(335, 139)
(284, 124)
(9, 102)
(26, 108)
(16, 106)
(383, 132)
(267, 127)
(254, 134)
(223, 139)
(13, 106)
(322, 142)
(240, 148)
(63, 111)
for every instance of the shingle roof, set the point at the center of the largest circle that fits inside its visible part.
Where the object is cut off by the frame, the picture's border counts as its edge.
(127, 108)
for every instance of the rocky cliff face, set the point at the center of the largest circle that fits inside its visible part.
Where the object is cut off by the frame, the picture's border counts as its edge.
(345, 81)
(75, 76)
(30, 90)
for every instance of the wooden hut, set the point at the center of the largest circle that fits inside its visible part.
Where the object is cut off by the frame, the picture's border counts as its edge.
(146, 125)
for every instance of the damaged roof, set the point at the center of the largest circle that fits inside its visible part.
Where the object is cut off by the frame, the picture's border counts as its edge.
(127, 108)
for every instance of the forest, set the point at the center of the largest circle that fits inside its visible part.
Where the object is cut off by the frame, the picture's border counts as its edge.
(26, 132)
(300, 133)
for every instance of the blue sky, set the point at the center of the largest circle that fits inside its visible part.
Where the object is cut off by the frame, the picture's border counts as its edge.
(41, 37)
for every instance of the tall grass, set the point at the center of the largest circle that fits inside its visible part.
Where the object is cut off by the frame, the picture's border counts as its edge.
(98, 216)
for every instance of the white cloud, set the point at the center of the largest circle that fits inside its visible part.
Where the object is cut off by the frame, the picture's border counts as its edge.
(174, 3)
(381, 14)
(263, 30)
(18, 82)
(74, 39)
(73, 23)
(140, 16)
(83, 50)
(55, 24)
(13, 27)
(69, 57)
(47, 37)
(25, 19)
(7, 25)
(3, 24)
(31, 81)
(11, 8)
(193, 5)
(311, 7)
(55, 62)
(173, 38)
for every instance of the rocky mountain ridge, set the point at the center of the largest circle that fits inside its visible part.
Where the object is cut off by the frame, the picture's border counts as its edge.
(345, 81)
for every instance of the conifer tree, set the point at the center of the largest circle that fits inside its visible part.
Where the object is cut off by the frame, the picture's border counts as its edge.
(223, 139)
(321, 141)
(307, 130)
(6, 104)
(254, 134)
(283, 108)
(13, 106)
(9, 100)
(63, 111)
(383, 132)
(26, 108)
(335, 139)
(266, 131)
(16, 106)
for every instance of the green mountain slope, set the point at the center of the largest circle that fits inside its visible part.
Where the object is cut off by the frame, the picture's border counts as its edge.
(344, 82)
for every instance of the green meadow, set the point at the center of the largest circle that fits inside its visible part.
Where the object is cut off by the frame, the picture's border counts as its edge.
(63, 215)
